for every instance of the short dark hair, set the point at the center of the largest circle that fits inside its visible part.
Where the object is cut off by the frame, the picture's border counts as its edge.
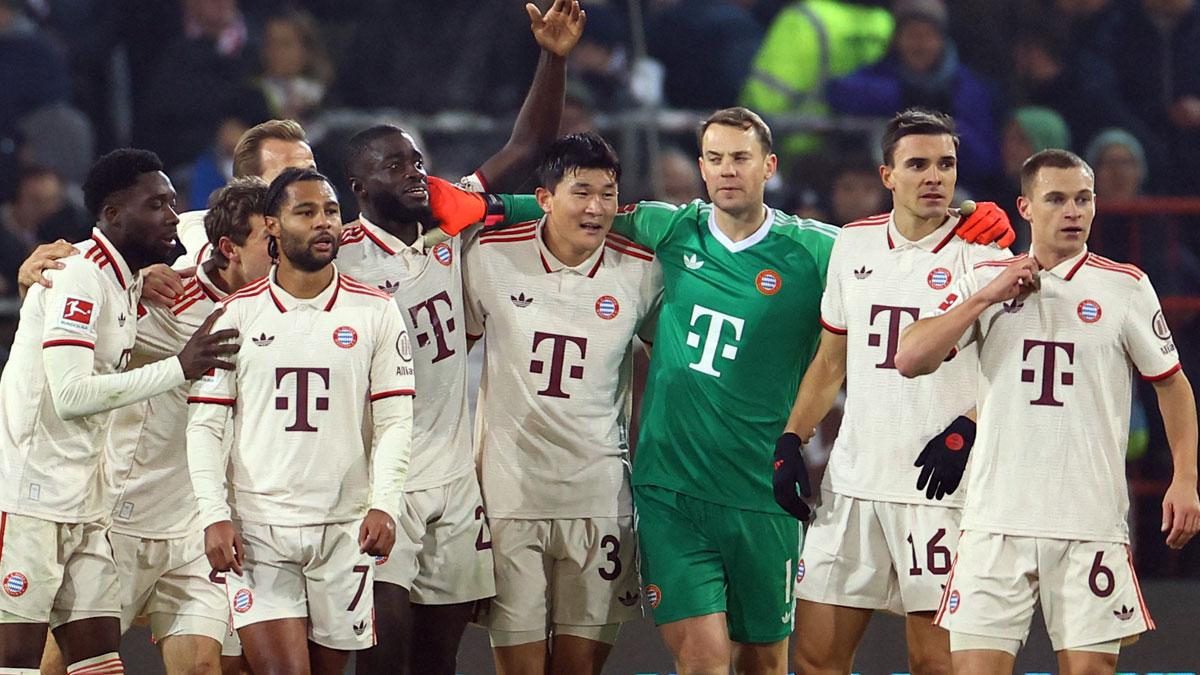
(572, 152)
(742, 118)
(357, 146)
(247, 154)
(1050, 158)
(915, 122)
(118, 170)
(277, 192)
(230, 210)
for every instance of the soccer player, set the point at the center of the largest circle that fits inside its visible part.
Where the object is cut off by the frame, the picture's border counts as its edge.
(1059, 331)
(738, 325)
(560, 301)
(67, 370)
(876, 543)
(425, 591)
(307, 503)
(155, 534)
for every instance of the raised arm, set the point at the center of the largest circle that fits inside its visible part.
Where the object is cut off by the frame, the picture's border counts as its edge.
(557, 32)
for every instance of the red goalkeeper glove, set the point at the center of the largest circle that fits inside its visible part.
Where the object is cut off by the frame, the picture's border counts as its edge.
(989, 223)
(457, 209)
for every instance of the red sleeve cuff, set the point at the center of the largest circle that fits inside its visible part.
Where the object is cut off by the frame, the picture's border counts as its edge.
(832, 328)
(211, 399)
(1163, 375)
(392, 392)
(68, 343)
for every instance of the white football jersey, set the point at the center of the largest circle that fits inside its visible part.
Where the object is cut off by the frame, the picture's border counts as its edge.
(427, 287)
(191, 233)
(302, 380)
(51, 468)
(148, 461)
(1054, 397)
(878, 284)
(554, 402)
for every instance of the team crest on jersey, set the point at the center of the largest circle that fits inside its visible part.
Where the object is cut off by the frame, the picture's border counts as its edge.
(939, 278)
(242, 601)
(15, 584)
(77, 314)
(653, 595)
(952, 603)
(1159, 323)
(800, 571)
(345, 337)
(443, 254)
(768, 282)
(607, 307)
(380, 559)
(1089, 311)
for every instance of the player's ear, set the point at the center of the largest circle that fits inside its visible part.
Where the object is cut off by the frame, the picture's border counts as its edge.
(1024, 208)
(272, 224)
(885, 175)
(228, 249)
(772, 164)
(544, 198)
(356, 185)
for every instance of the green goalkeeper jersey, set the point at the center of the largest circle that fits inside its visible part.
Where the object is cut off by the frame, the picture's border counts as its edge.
(739, 323)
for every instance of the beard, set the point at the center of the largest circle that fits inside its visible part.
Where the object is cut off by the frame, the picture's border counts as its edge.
(393, 209)
(301, 254)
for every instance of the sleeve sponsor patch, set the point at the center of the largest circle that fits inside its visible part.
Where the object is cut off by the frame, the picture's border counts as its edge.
(78, 314)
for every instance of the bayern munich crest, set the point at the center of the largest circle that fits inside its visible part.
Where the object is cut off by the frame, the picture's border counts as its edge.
(607, 307)
(15, 584)
(939, 278)
(653, 595)
(768, 282)
(242, 601)
(345, 337)
(1089, 311)
(443, 254)
(800, 571)
(952, 603)
(380, 559)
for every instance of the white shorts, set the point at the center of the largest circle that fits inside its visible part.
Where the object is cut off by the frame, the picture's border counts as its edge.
(55, 573)
(557, 575)
(169, 581)
(313, 571)
(443, 552)
(877, 555)
(1088, 590)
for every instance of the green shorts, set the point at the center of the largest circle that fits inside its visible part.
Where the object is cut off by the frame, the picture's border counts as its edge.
(702, 558)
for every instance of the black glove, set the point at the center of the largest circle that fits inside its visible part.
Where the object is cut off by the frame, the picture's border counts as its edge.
(790, 474)
(944, 458)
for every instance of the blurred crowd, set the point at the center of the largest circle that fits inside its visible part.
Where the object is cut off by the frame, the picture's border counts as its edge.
(1118, 81)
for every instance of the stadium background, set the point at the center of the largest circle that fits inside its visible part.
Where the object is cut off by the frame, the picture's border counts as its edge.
(1115, 80)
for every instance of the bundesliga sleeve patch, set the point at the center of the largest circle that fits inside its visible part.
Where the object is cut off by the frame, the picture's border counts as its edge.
(78, 314)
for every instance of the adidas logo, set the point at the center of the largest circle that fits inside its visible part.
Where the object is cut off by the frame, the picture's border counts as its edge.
(1125, 614)
(359, 627)
(862, 272)
(389, 287)
(630, 598)
(1013, 307)
(263, 340)
(691, 262)
(520, 300)
(121, 319)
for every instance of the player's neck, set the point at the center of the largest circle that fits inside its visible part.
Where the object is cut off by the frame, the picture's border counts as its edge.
(300, 283)
(739, 226)
(405, 232)
(131, 258)
(914, 228)
(561, 249)
(224, 278)
(1048, 257)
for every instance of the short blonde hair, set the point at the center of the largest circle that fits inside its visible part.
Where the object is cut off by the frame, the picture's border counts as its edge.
(247, 154)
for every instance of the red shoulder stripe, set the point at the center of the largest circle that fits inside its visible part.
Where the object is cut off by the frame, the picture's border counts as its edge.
(524, 228)
(500, 240)
(628, 243)
(878, 219)
(254, 288)
(633, 253)
(1003, 262)
(353, 286)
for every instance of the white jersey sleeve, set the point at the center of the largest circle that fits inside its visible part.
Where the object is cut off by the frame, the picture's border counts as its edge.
(833, 312)
(210, 404)
(191, 232)
(392, 388)
(1146, 336)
